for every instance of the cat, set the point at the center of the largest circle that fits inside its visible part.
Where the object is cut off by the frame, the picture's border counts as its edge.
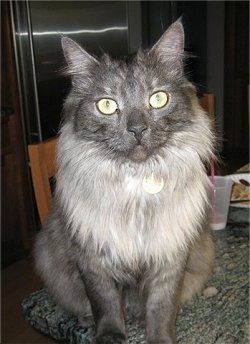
(128, 230)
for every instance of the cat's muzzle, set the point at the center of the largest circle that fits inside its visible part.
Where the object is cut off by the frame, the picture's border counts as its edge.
(139, 153)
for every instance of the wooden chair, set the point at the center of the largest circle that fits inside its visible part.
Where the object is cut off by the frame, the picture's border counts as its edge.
(207, 101)
(42, 161)
(43, 166)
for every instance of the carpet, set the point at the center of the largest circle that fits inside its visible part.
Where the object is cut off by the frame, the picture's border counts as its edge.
(220, 316)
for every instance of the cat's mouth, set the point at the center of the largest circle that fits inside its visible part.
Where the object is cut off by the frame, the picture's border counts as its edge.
(139, 153)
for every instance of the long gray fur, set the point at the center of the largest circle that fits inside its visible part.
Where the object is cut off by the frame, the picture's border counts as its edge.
(108, 244)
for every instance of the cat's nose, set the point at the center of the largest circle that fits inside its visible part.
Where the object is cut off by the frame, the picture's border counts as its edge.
(137, 125)
(138, 131)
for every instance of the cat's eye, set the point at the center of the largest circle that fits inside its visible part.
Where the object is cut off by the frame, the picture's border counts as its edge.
(158, 99)
(107, 106)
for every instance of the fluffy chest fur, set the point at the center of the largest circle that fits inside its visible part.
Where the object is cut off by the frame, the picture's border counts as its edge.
(105, 202)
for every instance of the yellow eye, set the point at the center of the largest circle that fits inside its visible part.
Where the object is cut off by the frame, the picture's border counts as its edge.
(107, 106)
(158, 99)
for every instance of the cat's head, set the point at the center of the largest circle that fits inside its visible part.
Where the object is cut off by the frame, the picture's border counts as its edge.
(131, 109)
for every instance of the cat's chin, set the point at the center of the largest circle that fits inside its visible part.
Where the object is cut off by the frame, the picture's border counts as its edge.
(138, 154)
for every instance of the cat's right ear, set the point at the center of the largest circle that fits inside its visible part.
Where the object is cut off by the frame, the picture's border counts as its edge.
(78, 60)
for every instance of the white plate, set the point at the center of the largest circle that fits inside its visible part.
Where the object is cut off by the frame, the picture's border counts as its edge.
(236, 178)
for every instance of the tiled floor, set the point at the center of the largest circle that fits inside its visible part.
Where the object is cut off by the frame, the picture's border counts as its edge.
(18, 281)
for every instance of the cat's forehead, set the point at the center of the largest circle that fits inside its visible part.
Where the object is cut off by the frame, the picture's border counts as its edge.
(139, 70)
(123, 68)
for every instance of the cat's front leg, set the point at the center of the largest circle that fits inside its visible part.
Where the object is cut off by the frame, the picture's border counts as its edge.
(162, 302)
(106, 303)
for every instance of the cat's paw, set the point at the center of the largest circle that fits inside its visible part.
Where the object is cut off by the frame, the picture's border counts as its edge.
(162, 341)
(110, 338)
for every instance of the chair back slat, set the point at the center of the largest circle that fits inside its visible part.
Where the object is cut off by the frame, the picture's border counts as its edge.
(42, 161)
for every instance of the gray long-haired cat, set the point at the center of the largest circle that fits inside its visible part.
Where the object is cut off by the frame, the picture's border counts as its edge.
(129, 225)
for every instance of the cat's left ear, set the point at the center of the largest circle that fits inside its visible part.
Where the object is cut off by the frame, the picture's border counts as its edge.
(170, 47)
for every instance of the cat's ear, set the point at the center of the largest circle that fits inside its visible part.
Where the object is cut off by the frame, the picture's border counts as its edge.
(170, 47)
(78, 60)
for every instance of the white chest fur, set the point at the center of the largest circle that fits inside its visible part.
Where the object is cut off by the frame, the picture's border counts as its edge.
(134, 224)
(121, 210)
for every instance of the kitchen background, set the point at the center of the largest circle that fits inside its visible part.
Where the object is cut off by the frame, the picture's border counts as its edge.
(33, 89)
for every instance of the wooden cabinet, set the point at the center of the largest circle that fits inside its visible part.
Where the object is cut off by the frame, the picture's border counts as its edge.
(16, 206)
(15, 215)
